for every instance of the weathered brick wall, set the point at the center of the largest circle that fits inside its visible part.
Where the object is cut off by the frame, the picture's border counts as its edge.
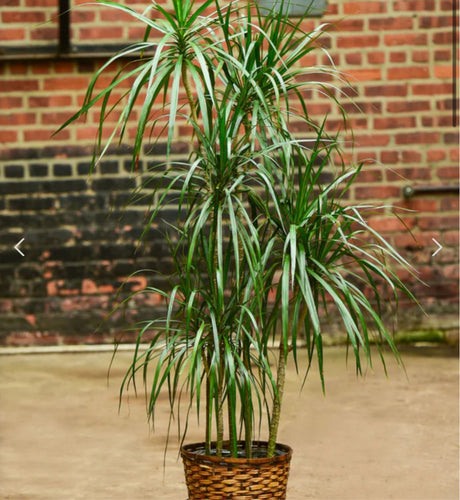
(80, 242)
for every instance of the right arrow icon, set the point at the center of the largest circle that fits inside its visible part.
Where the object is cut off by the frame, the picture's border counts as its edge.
(439, 248)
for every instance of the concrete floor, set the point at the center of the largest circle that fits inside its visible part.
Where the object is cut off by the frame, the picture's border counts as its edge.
(61, 437)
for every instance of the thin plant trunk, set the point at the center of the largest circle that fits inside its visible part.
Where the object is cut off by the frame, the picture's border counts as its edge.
(276, 412)
(188, 91)
(280, 383)
(220, 411)
(247, 412)
(207, 443)
(247, 409)
(231, 429)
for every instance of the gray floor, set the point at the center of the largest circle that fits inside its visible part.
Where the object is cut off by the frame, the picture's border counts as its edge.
(373, 439)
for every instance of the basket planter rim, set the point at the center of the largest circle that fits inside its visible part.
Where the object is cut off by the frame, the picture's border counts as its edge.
(189, 452)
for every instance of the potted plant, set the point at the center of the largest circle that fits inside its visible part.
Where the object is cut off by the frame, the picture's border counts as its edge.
(266, 244)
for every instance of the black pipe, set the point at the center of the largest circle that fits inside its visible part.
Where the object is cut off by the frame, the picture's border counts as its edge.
(64, 27)
(409, 191)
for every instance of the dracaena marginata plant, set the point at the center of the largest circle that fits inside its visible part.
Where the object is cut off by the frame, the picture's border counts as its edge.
(266, 244)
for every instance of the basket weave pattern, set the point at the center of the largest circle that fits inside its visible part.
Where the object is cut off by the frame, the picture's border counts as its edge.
(225, 478)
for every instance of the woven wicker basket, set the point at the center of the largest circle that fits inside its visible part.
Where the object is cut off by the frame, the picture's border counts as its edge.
(225, 478)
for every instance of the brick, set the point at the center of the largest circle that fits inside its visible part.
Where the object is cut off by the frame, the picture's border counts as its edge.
(365, 74)
(454, 154)
(355, 41)
(137, 33)
(12, 34)
(443, 38)
(19, 68)
(390, 157)
(436, 155)
(391, 224)
(84, 168)
(81, 201)
(112, 184)
(370, 175)
(411, 156)
(113, 16)
(72, 253)
(450, 204)
(408, 73)
(62, 170)
(350, 24)
(38, 135)
(398, 57)
(22, 17)
(431, 88)
(392, 90)
(394, 122)
(40, 70)
(409, 174)
(358, 123)
(407, 106)
(88, 287)
(367, 7)
(420, 205)
(403, 39)
(414, 5)
(354, 59)
(64, 67)
(52, 101)
(38, 170)
(84, 16)
(14, 171)
(447, 172)
(8, 136)
(437, 121)
(100, 33)
(33, 204)
(376, 58)
(426, 22)
(18, 85)
(442, 55)
(66, 83)
(85, 66)
(436, 222)
(451, 238)
(372, 140)
(90, 132)
(377, 193)
(10, 102)
(40, 3)
(18, 119)
(6, 305)
(450, 138)
(109, 167)
(420, 56)
(55, 118)
(418, 138)
(42, 187)
(45, 33)
(447, 5)
(443, 71)
(390, 23)
(371, 108)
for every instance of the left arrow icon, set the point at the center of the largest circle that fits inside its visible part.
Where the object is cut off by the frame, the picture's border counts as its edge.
(16, 247)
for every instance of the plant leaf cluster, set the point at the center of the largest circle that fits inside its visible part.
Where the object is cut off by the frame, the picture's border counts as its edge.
(265, 237)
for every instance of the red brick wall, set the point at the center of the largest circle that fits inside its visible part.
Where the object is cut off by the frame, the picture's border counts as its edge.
(398, 57)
